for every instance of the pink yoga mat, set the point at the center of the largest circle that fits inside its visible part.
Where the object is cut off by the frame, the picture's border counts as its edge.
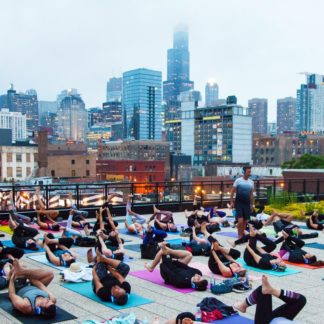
(156, 278)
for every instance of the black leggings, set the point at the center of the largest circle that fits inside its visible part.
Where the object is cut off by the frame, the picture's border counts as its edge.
(22, 234)
(264, 314)
(15, 252)
(66, 241)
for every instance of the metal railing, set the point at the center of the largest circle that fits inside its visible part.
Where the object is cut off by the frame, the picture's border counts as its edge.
(89, 196)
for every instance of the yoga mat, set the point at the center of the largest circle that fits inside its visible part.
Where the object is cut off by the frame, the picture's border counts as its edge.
(133, 247)
(287, 272)
(206, 272)
(6, 229)
(269, 231)
(41, 258)
(229, 234)
(303, 226)
(11, 244)
(315, 245)
(303, 265)
(155, 277)
(61, 315)
(125, 232)
(85, 289)
(235, 319)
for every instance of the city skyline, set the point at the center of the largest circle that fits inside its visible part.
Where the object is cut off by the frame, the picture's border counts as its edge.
(262, 58)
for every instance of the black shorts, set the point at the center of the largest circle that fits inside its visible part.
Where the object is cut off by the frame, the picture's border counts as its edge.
(243, 210)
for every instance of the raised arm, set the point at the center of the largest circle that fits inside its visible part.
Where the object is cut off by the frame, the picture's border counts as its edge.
(18, 302)
(225, 271)
(52, 257)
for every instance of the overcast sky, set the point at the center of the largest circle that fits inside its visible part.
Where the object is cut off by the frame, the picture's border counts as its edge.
(253, 48)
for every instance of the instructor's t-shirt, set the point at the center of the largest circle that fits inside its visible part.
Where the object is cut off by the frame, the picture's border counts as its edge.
(243, 189)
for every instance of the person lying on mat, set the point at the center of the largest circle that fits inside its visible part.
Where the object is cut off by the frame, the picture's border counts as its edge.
(23, 236)
(45, 222)
(174, 269)
(198, 214)
(259, 218)
(291, 250)
(109, 282)
(106, 249)
(163, 220)
(133, 222)
(29, 293)
(217, 216)
(282, 221)
(78, 215)
(57, 250)
(262, 298)
(222, 260)
(13, 211)
(41, 208)
(260, 257)
(314, 221)
(153, 235)
(10, 252)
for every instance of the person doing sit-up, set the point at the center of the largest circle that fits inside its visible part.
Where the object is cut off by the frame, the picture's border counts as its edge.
(175, 271)
(109, 282)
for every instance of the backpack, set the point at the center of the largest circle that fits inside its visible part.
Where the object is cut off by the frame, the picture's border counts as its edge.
(149, 251)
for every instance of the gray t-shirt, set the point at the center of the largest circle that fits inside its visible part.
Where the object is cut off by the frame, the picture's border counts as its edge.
(243, 189)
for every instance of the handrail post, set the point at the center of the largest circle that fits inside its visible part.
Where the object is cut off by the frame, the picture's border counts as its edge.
(47, 196)
(77, 196)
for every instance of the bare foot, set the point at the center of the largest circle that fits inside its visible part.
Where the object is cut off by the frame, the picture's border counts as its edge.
(148, 267)
(231, 243)
(155, 210)
(240, 306)
(266, 287)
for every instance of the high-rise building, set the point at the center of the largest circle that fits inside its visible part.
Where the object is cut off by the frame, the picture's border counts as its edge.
(112, 111)
(310, 104)
(24, 102)
(272, 129)
(178, 70)
(114, 89)
(72, 118)
(44, 108)
(258, 109)
(95, 116)
(65, 93)
(15, 121)
(142, 107)
(211, 93)
(286, 115)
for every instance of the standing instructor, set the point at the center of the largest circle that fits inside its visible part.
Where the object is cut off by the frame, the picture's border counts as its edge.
(243, 189)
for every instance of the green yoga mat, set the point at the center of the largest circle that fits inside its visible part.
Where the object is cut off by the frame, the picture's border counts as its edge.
(287, 272)
(61, 315)
(269, 231)
(85, 289)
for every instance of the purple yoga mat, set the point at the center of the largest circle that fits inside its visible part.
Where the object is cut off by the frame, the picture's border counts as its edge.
(229, 234)
(235, 319)
(156, 278)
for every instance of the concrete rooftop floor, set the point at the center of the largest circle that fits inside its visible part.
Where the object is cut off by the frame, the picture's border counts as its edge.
(168, 303)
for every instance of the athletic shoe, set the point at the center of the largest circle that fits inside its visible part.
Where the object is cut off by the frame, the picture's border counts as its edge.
(240, 288)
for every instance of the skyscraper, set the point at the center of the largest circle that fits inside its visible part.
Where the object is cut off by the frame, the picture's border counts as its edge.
(258, 109)
(44, 108)
(15, 121)
(72, 118)
(25, 103)
(178, 69)
(310, 104)
(114, 89)
(286, 115)
(211, 93)
(141, 101)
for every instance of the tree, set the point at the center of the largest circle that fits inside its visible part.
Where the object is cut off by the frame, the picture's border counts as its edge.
(306, 161)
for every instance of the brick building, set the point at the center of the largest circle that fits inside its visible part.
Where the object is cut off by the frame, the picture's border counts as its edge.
(274, 151)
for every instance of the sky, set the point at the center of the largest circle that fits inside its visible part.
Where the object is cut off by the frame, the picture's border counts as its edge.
(252, 48)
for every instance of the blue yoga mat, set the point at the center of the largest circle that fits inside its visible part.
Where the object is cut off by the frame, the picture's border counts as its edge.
(125, 232)
(287, 272)
(235, 319)
(229, 234)
(11, 244)
(85, 289)
(315, 245)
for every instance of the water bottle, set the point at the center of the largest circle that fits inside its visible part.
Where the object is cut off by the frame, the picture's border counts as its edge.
(198, 314)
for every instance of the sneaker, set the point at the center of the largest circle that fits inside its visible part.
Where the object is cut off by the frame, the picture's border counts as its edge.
(240, 288)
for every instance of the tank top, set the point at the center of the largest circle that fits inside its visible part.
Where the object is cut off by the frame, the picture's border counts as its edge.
(31, 293)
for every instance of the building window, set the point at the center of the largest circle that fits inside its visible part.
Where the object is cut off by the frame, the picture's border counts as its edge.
(19, 172)
(53, 173)
(9, 157)
(9, 172)
(18, 157)
(27, 157)
(87, 161)
(73, 172)
(72, 161)
(28, 171)
(35, 157)
(88, 173)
